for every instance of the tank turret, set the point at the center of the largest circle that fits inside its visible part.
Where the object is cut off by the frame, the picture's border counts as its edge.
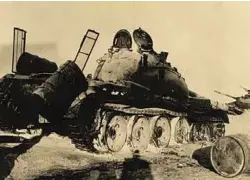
(145, 67)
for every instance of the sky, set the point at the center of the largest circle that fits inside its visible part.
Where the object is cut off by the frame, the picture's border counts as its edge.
(208, 42)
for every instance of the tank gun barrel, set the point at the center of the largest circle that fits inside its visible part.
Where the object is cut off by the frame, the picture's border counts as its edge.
(225, 94)
(247, 90)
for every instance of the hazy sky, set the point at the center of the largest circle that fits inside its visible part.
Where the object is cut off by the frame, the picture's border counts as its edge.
(208, 41)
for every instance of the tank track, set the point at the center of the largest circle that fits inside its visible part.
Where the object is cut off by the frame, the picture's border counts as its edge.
(144, 111)
(92, 140)
(95, 140)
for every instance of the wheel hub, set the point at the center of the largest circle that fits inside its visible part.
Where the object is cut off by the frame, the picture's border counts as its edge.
(158, 131)
(112, 133)
(139, 133)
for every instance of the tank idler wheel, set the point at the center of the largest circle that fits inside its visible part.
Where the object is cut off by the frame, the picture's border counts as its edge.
(200, 132)
(161, 132)
(140, 134)
(182, 131)
(116, 133)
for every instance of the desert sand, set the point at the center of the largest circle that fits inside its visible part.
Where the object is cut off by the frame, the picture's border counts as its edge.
(55, 157)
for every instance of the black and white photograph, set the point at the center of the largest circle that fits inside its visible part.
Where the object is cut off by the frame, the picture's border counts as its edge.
(132, 90)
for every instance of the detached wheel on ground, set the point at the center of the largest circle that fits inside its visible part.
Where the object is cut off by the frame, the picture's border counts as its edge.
(230, 155)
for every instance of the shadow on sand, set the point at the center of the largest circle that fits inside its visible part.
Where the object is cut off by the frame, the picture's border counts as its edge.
(131, 169)
(202, 156)
(8, 155)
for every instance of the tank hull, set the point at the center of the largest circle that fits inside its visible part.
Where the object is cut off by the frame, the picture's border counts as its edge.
(113, 103)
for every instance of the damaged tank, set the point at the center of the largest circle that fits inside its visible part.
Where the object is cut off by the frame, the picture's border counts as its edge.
(240, 104)
(132, 98)
(17, 109)
(27, 95)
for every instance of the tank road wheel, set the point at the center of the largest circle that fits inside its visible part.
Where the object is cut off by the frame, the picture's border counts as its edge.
(218, 131)
(140, 134)
(200, 132)
(116, 133)
(161, 132)
(182, 131)
(99, 141)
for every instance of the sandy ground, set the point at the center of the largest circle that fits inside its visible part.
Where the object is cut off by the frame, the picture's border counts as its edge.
(54, 157)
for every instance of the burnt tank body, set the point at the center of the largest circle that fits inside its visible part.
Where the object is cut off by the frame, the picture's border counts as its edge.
(58, 92)
(17, 106)
(30, 64)
(36, 90)
(132, 98)
(130, 101)
(26, 98)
